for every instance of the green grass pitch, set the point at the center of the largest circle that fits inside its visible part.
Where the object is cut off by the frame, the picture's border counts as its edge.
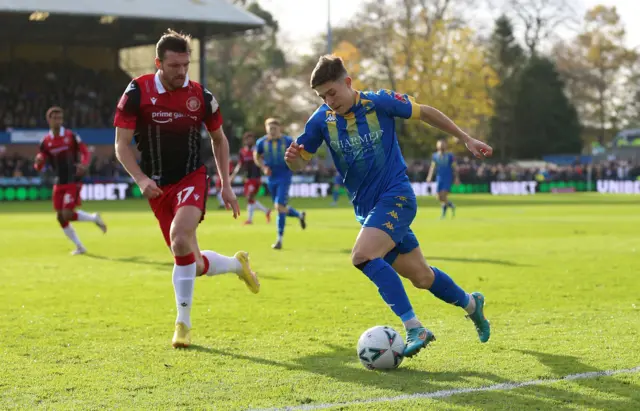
(561, 275)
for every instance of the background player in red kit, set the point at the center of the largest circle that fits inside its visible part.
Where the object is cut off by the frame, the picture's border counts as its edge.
(252, 180)
(68, 156)
(164, 112)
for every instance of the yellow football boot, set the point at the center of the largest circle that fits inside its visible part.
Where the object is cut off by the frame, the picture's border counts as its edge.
(249, 277)
(182, 336)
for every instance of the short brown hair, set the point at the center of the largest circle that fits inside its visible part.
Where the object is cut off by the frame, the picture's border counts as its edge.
(271, 120)
(329, 68)
(171, 40)
(54, 110)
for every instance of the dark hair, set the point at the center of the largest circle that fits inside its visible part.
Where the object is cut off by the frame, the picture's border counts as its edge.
(173, 41)
(329, 68)
(54, 110)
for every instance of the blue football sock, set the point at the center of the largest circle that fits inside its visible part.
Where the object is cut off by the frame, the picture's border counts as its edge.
(390, 287)
(444, 210)
(282, 218)
(450, 204)
(293, 213)
(335, 194)
(448, 291)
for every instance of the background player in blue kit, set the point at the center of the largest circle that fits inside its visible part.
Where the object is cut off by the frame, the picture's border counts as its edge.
(269, 155)
(359, 129)
(443, 163)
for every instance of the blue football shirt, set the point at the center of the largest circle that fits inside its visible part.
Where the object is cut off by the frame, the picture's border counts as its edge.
(444, 166)
(363, 142)
(273, 152)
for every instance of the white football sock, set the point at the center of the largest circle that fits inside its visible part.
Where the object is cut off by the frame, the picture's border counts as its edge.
(471, 307)
(71, 234)
(184, 277)
(219, 197)
(250, 211)
(260, 207)
(220, 264)
(84, 216)
(412, 323)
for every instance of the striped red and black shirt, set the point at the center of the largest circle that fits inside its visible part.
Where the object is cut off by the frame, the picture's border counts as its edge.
(167, 125)
(63, 153)
(250, 168)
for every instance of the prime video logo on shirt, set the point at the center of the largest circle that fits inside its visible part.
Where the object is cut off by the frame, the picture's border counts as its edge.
(368, 139)
(163, 117)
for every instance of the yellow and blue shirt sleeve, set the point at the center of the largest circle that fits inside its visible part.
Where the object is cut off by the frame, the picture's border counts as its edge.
(311, 138)
(259, 147)
(398, 105)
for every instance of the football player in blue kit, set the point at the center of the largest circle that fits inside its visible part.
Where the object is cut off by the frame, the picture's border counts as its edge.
(443, 163)
(269, 155)
(359, 129)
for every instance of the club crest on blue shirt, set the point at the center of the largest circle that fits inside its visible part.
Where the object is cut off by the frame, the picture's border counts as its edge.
(400, 98)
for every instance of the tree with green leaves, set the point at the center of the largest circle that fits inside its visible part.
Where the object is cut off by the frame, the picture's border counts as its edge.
(545, 121)
(244, 71)
(422, 48)
(506, 57)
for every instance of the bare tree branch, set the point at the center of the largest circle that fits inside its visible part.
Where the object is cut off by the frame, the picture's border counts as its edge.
(542, 19)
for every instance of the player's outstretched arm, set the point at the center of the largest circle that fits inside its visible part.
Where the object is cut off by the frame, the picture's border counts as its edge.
(440, 121)
(258, 159)
(235, 171)
(432, 168)
(220, 146)
(40, 160)
(85, 158)
(127, 157)
(456, 173)
(293, 157)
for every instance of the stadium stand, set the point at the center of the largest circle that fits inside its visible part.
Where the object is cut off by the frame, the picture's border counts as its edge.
(67, 53)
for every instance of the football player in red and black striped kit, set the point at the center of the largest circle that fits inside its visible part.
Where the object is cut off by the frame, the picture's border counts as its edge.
(252, 181)
(163, 114)
(65, 152)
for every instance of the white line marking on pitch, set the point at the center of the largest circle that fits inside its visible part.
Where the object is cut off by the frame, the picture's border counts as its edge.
(448, 393)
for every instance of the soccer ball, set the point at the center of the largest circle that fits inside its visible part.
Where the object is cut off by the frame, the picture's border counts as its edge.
(380, 348)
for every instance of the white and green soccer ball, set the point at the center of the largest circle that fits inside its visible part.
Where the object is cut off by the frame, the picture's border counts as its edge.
(380, 348)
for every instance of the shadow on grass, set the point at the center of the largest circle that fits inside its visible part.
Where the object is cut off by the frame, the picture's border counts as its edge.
(561, 365)
(478, 261)
(131, 260)
(143, 261)
(341, 364)
(464, 260)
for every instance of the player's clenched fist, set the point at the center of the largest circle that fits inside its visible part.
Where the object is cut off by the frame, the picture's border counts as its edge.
(293, 157)
(293, 152)
(479, 148)
(149, 188)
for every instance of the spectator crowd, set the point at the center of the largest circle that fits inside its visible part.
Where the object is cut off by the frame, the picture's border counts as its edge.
(28, 89)
(470, 171)
(89, 98)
